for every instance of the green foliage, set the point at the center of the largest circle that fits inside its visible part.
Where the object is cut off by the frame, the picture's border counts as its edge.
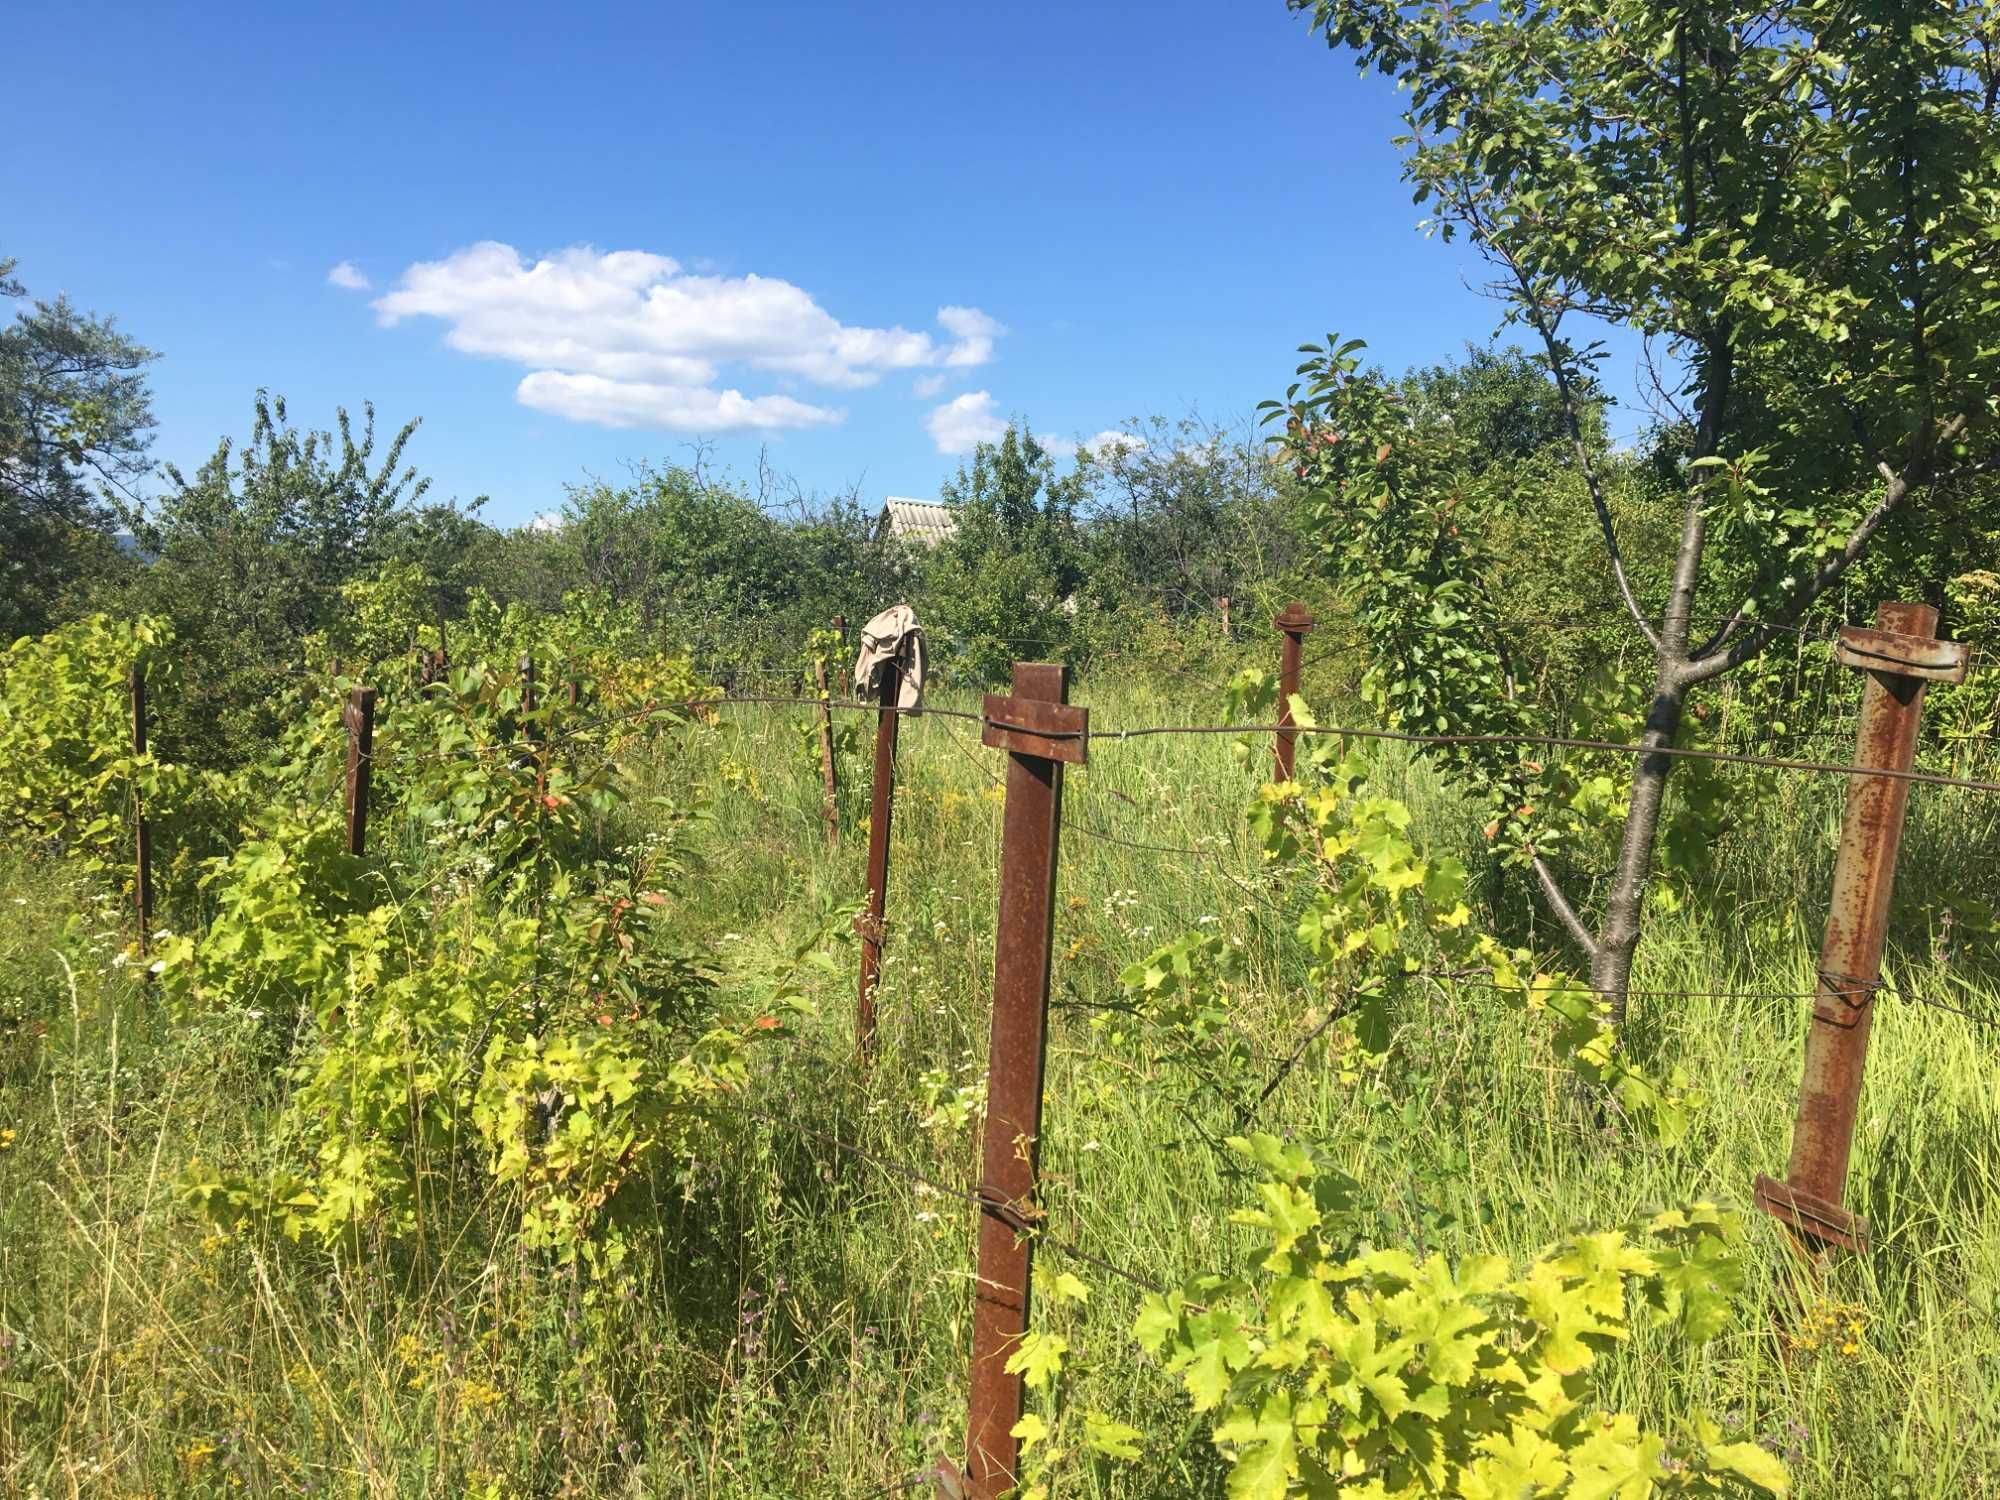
(1805, 195)
(75, 427)
(72, 782)
(526, 1012)
(1379, 918)
(1386, 485)
(734, 577)
(1179, 515)
(1006, 581)
(1968, 712)
(251, 554)
(1332, 1365)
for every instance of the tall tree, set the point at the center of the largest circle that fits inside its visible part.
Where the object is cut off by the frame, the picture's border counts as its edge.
(1009, 575)
(250, 553)
(75, 426)
(1798, 203)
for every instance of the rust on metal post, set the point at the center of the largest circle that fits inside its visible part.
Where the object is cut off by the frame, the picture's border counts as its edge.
(1294, 621)
(888, 686)
(360, 716)
(1900, 656)
(1041, 734)
(142, 833)
(829, 774)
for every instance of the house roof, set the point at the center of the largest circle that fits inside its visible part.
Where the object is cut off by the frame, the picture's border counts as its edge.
(925, 522)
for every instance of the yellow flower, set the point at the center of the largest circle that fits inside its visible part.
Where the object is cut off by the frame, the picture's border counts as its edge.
(7, 1139)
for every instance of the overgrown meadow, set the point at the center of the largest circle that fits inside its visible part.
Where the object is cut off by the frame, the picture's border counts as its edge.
(529, 1154)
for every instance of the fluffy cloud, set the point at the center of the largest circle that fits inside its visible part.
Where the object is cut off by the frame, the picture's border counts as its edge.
(348, 276)
(626, 338)
(964, 422)
(649, 403)
(975, 333)
(1103, 445)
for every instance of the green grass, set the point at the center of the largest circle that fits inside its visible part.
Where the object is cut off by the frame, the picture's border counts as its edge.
(796, 1321)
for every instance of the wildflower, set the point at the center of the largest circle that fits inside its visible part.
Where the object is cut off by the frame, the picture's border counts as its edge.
(7, 1139)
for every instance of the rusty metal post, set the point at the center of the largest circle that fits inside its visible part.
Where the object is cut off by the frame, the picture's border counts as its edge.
(1042, 734)
(1900, 655)
(881, 804)
(142, 833)
(829, 774)
(360, 717)
(1294, 621)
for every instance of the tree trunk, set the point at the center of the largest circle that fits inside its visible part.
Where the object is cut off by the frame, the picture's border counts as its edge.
(1618, 933)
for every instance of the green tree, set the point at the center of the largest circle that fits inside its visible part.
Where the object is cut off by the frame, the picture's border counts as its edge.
(250, 553)
(75, 426)
(1009, 577)
(1183, 513)
(1797, 205)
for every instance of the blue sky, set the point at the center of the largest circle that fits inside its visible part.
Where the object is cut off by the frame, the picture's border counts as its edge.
(861, 234)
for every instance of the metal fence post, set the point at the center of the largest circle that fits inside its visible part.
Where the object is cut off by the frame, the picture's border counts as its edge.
(829, 774)
(1899, 655)
(1227, 633)
(881, 804)
(1042, 734)
(1294, 621)
(142, 833)
(360, 717)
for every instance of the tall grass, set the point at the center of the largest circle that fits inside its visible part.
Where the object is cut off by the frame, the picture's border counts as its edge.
(797, 1321)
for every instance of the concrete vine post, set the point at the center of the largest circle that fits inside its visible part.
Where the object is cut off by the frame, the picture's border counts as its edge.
(1900, 655)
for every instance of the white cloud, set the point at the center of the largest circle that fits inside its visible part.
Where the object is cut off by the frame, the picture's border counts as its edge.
(627, 338)
(964, 422)
(975, 333)
(681, 408)
(1103, 445)
(548, 521)
(926, 386)
(348, 276)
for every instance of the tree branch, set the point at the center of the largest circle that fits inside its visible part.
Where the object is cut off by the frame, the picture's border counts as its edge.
(1559, 904)
(1896, 490)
